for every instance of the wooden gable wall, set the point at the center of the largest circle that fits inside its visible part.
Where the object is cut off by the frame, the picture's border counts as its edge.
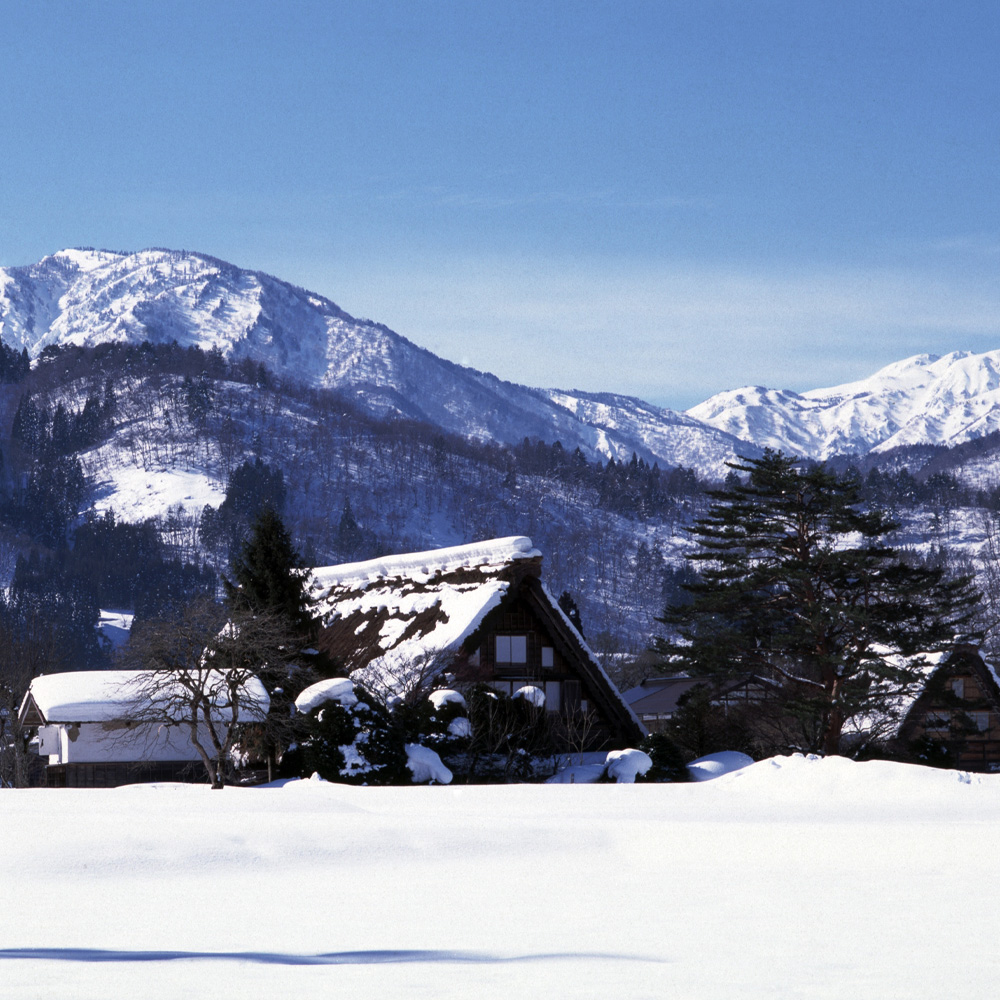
(573, 684)
(960, 709)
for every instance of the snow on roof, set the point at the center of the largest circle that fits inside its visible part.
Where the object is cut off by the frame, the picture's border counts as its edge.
(392, 621)
(424, 566)
(597, 663)
(106, 695)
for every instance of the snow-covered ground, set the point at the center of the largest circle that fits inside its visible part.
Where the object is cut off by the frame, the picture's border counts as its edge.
(792, 878)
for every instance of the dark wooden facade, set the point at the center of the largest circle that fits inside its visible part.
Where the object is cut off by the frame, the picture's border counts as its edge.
(957, 714)
(113, 774)
(556, 661)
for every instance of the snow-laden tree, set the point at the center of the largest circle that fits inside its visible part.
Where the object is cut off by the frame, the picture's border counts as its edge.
(799, 586)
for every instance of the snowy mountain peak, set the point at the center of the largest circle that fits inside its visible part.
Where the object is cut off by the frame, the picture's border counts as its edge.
(924, 399)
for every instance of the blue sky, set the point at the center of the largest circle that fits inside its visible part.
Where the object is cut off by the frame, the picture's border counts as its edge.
(665, 199)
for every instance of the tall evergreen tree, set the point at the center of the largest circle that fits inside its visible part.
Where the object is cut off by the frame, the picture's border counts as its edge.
(269, 584)
(268, 575)
(798, 585)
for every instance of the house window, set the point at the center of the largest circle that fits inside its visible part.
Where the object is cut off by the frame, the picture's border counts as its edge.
(512, 649)
(937, 722)
(548, 656)
(553, 696)
(981, 720)
(958, 687)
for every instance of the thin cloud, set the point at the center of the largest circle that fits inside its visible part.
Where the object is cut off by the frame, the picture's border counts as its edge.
(677, 334)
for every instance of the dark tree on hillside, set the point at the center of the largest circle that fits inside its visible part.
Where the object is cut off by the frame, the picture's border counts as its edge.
(350, 536)
(798, 585)
(269, 581)
(268, 575)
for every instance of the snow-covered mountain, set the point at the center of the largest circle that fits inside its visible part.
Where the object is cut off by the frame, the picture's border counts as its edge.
(89, 297)
(921, 400)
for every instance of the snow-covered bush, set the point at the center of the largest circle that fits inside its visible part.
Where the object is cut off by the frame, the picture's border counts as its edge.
(534, 696)
(668, 761)
(624, 766)
(445, 696)
(426, 766)
(346, 736)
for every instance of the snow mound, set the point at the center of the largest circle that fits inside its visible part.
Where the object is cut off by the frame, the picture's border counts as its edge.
(577, 774)
(460, 727)
(425, 765)
(336, 689)
(445, 697)
(532, 695)
(714, 765)
(624, 766)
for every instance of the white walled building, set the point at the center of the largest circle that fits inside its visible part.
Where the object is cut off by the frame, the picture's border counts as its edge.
(101, 728)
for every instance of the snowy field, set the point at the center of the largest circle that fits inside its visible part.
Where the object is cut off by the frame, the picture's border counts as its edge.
(794, 878)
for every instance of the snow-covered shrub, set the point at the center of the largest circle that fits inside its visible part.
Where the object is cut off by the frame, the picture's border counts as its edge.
(624, 766)
(534, 696)
(461, 728)
(440, 722)
(348, 737)
(445, 696)
(426, 766)
(337, 689)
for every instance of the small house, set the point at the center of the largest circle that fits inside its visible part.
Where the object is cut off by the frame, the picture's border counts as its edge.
(957, 714)
(102, 728)
(479, 613)
(656, 700)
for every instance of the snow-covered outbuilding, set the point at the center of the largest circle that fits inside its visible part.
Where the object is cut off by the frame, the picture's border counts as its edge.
(480, 613)
(102, 728)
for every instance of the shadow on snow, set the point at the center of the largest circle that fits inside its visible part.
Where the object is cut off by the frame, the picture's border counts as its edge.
(375, 957)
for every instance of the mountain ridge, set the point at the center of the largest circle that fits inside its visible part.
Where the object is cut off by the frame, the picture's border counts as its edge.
(86, 297)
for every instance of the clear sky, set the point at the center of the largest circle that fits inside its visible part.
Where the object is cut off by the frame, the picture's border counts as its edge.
(659, 198)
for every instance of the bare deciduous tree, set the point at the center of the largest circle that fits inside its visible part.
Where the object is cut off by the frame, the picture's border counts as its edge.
(203, 672)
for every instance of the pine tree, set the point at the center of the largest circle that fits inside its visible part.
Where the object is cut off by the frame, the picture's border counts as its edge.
(571, 610)
(799, 586)
(268, 575)
(269, 583)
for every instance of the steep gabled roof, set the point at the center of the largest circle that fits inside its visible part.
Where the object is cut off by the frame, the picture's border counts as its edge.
(396, 613)
(660, 695)
(964, 659)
